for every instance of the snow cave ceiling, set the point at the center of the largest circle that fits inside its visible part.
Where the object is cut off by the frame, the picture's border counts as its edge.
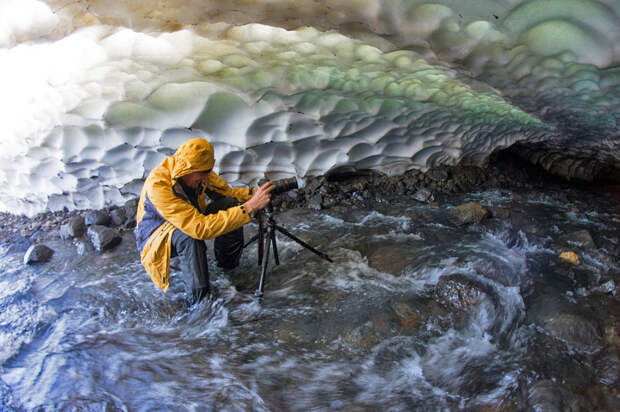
(97, 93)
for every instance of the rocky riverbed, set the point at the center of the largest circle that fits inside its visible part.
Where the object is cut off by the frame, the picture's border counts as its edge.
(342, 187)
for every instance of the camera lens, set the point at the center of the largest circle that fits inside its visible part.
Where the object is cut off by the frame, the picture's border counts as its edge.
(284, 185)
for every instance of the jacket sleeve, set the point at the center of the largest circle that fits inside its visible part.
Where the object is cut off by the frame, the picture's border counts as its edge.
(187, 218)
(242, 194)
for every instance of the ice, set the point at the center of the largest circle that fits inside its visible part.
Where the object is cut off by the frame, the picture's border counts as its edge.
(413, 85)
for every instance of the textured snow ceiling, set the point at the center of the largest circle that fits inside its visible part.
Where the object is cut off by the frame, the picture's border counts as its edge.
(96, 93)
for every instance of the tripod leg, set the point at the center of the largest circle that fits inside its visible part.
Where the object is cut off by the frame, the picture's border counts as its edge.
(275, 247)
(304, 244)
(265, 258)
(261, 239)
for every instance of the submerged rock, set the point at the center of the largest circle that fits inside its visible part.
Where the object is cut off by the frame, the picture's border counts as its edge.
(577, 331)
(390, 258)
(581, 238)
(547, 395)
(103, 238)
(408, 318)
(37, 254)
(469, 213)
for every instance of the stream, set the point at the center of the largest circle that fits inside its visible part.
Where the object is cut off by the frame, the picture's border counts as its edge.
(415, 313)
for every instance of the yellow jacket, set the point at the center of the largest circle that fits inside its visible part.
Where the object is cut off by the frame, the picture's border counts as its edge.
(164, 207)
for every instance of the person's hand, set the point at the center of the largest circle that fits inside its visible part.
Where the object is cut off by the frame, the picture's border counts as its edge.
(260, 198)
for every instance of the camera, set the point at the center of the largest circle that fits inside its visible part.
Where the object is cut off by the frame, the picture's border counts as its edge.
(284, 185)
(281, 185)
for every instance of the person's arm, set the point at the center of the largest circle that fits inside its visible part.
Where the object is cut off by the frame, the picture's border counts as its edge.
(242, 194)
(260, 198)
(187, 218)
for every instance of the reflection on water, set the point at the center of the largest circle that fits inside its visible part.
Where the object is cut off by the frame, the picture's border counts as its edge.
(415, 313)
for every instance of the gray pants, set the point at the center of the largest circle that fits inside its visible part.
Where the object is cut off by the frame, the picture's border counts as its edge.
(193, 254)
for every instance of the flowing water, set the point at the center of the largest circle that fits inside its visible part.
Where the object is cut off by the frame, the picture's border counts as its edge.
(415, 313)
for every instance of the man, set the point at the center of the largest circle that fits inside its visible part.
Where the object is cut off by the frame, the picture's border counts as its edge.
(174, 217)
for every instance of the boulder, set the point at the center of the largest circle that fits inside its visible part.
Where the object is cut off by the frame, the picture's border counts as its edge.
(74, 228)
(469, 213)
(103, 238)
(97, 217)
(37, 254)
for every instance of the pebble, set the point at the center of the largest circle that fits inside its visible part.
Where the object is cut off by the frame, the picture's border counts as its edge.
(570, 257)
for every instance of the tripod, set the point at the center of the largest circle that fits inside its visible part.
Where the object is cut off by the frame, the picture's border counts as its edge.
(265, 242)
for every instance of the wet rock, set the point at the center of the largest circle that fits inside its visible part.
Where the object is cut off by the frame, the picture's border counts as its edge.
(457, 292)
(74, 228)
(423, 195)
(570, 257)
(103, 238)
(131, 209)
(98, 218)
(314, 184)
(547, 395)
(575, 330)
(38, 254)
(498, 270)
(389, 258)
(469, 213)
(409, 319)
(360, 338)
(607, 287)
(118, 216)
(438, 175)
(581, 238)
(83, 248)
(130, 223)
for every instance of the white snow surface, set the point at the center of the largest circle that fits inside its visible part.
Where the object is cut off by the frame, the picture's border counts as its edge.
(85, 116)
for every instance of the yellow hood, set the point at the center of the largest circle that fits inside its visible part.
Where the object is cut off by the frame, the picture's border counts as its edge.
(195, 155)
